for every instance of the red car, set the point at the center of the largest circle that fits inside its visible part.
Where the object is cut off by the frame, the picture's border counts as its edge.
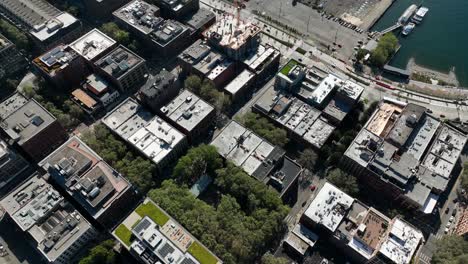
(312, 187)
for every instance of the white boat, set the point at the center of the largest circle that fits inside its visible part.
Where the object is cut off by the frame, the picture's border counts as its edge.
(419, 16)
(407, 14)
(408, 28)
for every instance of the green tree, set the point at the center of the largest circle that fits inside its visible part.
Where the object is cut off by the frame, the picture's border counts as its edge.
(464, 177)
(361, 53)
(115, 32)
(270, 259)
(15, 35)
(193, 83)
(451, 250)
(197, 161)
(265, 129)
(347, 183)
(307, 159)
(379, 56)
(101, 254)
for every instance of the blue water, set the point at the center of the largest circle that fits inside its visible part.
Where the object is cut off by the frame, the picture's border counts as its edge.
(439, 42)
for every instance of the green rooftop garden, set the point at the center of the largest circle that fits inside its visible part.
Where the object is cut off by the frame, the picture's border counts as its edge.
(285, 70)
(202, 254)
(124, 234)
(153, 212)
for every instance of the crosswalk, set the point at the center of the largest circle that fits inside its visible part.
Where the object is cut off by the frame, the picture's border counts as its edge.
(439, 236)
(424, 259)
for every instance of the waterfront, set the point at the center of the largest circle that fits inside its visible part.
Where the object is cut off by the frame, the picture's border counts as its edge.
(439, 42)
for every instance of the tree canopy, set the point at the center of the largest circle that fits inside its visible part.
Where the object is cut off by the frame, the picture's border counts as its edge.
(232, 234)
(136, 169)
(387, 45)
(120, 35)
(197, 161)
(451, 250)
(347, 183)
(265, 129)
(101, 254)
(16, 36)
(270, 259)
(307, 159)
(206, 90)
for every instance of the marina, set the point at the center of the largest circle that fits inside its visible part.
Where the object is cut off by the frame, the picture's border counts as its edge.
(437, 42)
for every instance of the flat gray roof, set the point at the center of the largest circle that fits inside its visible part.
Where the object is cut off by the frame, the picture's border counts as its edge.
(119, 62)
(31, 12)
(81, 172)
(155, 138)
(11, 104)
(187, 110)
(37, 208)
(247, 150)
(92, 44)
(167, 32)
(140, 15)
(199, 19)
(239, 82)
(27, 121)
(12, 164)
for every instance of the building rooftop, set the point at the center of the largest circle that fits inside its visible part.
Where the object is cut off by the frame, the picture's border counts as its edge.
(324, 88)
(337, 108)
(56, 59)
(247, 150)
(285, 175)
(401, 243)
(84, 99)
(239, 82)
(329, 207)
(158, 238)
(175, 5)
(407, 121)
(156, 84)
(40, 210)
(11, 104)
(85, 176)
(351, 89)
(168, 31)
(200, 19)
(264, 53)
(383, 119)
(119, 62)
(200, 56)
(410, 149)
(12, 164)
(26, 121)
(231, 33)
(42, 19)
(92, 44)
(187, 110)
(445, 151)
(140, 15)
(319, 133)
(152, 136)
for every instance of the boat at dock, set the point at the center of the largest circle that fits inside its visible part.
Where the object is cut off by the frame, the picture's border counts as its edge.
(408, 28)
(419, 16)
(407, 14)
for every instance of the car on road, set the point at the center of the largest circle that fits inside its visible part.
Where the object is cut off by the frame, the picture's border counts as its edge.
(312, 187)
(454, 212)
(455, 200)
(448, 225)
(447, 210)
(446, 230)
(451, 219)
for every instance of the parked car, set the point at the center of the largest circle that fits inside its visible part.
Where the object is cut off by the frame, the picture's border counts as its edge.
(446, 230)
(312, 187)
(454, 212)
(447, 210)
(451, 219)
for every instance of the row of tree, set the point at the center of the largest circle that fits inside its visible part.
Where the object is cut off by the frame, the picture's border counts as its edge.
(265, 129)
(451, 250)
(16, 36)
(386, 47)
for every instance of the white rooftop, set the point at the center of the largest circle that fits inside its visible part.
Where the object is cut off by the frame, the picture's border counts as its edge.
(239, 82)
(351, 89)
(51, 27)
(401, 243)
(322, 91)
(329, 207)
(92, 44)
(187, 110)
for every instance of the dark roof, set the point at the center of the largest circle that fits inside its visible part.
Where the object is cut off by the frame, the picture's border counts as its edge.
(157, 83)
